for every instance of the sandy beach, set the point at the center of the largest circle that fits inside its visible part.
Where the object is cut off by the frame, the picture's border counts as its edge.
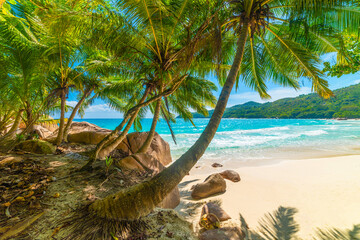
(326, 192)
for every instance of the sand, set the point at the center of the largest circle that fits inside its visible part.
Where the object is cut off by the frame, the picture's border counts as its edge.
(325, 191)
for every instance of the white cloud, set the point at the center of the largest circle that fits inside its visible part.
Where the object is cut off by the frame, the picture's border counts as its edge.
(357, 81)
(71, 103)
(99, 108)
(275, 94)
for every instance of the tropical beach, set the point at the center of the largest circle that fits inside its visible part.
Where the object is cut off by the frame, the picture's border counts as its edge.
(322, 190)
(179, 119)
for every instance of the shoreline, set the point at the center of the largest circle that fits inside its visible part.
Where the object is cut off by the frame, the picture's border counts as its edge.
(324, 190)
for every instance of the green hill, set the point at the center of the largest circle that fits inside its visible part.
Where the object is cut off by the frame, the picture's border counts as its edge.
(345, 104)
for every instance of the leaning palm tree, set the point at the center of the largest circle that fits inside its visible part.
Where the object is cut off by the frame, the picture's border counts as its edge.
(164, 51)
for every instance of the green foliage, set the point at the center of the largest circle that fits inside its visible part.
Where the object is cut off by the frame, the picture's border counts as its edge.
(337, 234)
(20, 137)
(351, 47)
(345, 104)
(108, 161)
(280, 225)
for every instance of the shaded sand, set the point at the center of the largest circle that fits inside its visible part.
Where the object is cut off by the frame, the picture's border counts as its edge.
(326, 192)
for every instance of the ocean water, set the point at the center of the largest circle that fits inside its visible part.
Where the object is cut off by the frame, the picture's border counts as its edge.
(246, 142)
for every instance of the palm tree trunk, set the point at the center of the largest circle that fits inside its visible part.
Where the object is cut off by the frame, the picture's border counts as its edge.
(136, 108)
(105, 151)
(150, 136)
(110, 136)
(60, 135)
(15, 125)
(73, 114)
(141, 199)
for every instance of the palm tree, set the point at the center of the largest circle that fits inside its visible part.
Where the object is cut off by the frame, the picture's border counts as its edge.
(69, 24)
(276, 226)
(265, 40)
(195, 93)
(23, 59)
(165, 52)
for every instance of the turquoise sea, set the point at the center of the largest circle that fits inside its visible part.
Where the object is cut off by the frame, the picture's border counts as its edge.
(250, 141)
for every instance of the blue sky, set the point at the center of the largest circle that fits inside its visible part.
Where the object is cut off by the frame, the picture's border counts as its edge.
(243, 94)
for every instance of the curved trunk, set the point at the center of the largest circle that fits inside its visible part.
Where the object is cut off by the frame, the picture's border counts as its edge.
(73, 114)
(110, 136)
(15, 125)
(150, 136)
(105, 151)
(141, 199)
(60, 135)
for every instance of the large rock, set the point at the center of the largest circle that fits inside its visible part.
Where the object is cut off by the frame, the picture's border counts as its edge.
(226, 233)
(51, 126)
(172, 200)
(212, 185)
(141, 162)
(159, 148)
(77, 127)
(146, 162)
(41, 131)
(212, 208)
(36, 146)
(87, 133)
(88, 137)
(231, 175)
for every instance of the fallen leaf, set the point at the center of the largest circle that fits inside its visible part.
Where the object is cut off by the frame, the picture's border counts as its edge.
(29, 194)
(56, 230)
(7, 204)
(19, 199)
(7, 212)
(18, 228)
(56, 195)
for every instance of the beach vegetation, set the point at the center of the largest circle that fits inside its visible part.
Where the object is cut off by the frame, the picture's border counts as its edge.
(157, 55)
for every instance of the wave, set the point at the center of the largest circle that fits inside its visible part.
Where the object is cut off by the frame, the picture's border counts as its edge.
(315, 133)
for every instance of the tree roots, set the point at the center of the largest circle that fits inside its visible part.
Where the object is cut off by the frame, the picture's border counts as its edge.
(81, 224)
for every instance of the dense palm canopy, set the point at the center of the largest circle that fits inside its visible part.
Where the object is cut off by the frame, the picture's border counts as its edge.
(156, 55)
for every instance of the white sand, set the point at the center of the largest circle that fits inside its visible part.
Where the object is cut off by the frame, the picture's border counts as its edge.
(326, 192)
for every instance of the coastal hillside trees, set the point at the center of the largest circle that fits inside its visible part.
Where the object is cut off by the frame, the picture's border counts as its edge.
(345, 104)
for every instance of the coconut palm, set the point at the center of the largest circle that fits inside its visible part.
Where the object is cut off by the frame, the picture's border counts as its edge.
(194, 94)
(69, 24)
(151, 31)
(263, 43)
(20, 44)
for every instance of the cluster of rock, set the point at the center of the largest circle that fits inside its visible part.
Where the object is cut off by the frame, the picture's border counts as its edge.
(212, 212)
(214, 184)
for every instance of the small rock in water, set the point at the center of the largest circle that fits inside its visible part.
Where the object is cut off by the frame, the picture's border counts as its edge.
(216, 165)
